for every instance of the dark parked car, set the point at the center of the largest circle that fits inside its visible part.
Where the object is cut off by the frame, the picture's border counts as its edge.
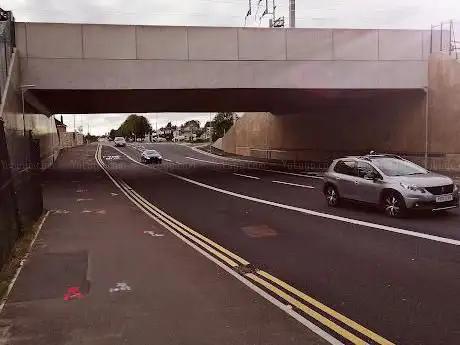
(151, 156)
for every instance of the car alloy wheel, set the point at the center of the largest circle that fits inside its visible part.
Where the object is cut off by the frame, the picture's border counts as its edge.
(332, 196)
(393, 205)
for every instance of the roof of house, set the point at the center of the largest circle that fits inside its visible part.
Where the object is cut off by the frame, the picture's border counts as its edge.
(59, 123)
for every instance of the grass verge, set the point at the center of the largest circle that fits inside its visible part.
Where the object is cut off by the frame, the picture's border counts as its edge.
(18, 256)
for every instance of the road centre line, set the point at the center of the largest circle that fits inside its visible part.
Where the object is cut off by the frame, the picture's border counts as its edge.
(248, 176)
(362, 223)
(206, 153)
(294, 184)
(323, 334)
(261, 169)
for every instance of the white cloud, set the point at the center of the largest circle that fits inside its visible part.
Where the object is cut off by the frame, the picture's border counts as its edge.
(321, 13)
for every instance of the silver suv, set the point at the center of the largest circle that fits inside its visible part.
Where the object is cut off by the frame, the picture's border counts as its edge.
(389, 181)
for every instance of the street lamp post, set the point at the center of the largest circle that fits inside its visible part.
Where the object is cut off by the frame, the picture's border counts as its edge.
(210, 132)
(24, 88)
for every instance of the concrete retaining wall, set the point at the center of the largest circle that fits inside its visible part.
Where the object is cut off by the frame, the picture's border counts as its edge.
(385, 123)
(69, 139)
(42, 127)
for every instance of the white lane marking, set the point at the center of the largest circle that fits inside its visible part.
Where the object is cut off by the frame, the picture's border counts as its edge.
(294, 184)
(323, 334)
(60, 211)
(320, 214)
(82, 199)
(167, 160)
(248, 176)
(327, 215)
(22, 262)
(206, 153)
(261, 169)
(120, 287)
(153, 234)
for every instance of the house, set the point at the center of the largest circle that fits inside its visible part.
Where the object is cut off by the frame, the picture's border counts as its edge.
(60, 126)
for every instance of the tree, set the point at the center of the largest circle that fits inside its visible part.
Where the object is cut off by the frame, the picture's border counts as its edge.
(112, 134)
(192, 124)
(135, 125)
(221, 123)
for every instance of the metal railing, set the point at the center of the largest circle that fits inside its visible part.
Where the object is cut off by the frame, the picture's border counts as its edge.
(445, 37)
(7, 44)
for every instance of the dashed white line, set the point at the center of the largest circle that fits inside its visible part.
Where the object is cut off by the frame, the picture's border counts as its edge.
(248, 176)
(294, 184)
(362, 223)
(167, 160)
(261, 169)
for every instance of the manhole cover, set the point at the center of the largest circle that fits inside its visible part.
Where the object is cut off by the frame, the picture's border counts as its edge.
(258, 231)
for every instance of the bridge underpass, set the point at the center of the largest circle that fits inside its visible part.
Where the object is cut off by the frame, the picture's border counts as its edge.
(324, 78)
(276, 101)
(284, 228)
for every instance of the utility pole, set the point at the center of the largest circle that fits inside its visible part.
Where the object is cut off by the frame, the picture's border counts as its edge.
(292, 13)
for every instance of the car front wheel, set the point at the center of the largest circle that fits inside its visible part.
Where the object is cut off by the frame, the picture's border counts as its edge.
(332, 196)
(393, 205)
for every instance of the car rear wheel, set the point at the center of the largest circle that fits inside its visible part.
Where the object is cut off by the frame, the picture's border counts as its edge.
(393, 205)
(332, 196)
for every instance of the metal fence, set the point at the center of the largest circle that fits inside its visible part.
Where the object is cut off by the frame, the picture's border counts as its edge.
(9, 217)
(7, 44)
(445, 37)
(21, 197)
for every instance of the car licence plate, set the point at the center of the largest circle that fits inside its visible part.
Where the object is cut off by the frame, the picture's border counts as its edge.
(444, 198)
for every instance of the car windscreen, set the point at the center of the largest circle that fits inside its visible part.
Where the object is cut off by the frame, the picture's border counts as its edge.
(397, 167)
(151, 152)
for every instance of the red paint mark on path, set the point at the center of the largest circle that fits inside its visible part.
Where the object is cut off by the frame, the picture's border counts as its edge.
(73, 293)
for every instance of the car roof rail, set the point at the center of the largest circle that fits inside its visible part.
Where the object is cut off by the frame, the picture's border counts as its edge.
(368, 157)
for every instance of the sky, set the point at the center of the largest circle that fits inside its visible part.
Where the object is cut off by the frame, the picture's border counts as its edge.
(403, 14)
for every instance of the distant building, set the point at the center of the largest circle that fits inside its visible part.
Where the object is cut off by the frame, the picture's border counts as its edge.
(60, 126)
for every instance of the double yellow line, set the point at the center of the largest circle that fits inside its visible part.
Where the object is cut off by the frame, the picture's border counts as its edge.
(324, 316)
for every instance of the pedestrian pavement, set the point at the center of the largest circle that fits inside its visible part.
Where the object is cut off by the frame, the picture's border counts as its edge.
(101, 272)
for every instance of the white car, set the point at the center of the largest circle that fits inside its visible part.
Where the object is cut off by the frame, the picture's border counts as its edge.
(119, 141)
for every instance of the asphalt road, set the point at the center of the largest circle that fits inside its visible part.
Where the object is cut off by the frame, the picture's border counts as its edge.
(399, 278)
